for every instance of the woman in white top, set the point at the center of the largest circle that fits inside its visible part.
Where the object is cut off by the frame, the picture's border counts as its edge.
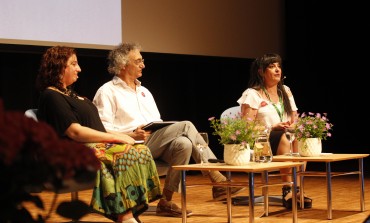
(268, 100)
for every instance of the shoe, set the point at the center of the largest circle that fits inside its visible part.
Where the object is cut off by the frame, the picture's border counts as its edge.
(307, 200)
(287, 196)
(288, 201)
(137, 219)
(170, 209)
(131, 220)
(219, 193)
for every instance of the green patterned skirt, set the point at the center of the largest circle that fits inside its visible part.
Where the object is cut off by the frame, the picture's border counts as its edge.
(127, 180)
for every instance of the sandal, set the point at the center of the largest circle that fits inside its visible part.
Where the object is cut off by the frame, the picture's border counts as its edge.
(307, 200)
(287, 198)
(137, 219)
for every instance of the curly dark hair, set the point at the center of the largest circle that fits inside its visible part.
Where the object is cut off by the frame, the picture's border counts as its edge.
(256, 81)
(53, 63)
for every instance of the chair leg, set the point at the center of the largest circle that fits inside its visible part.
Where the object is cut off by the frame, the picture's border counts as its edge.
(74, 196)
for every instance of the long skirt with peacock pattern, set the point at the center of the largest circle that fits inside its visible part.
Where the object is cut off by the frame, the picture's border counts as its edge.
(127, 180)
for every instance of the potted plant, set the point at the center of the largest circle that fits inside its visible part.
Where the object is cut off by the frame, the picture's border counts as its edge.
(32, 156)
(310, 130)
(237, 135)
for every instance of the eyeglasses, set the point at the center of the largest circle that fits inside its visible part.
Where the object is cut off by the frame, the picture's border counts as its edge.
(139, 61)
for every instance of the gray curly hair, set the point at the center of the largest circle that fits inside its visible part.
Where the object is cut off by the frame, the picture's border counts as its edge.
(118, 57)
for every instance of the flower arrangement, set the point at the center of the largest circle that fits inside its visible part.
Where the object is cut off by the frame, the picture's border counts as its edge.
(32, 156)
(313, 125)
(235, 130)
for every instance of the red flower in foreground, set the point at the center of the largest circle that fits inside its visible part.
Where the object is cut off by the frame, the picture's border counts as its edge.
(32, 156)
(22, 137)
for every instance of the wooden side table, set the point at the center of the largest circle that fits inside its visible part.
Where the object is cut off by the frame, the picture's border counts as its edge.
(328, 158)
(251, 168)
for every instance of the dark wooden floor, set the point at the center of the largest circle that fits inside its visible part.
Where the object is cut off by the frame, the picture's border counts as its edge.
(346, 204)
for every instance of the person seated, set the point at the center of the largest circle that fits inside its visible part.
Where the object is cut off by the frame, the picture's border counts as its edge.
(125, 106)
(128, 180)
(271, 102)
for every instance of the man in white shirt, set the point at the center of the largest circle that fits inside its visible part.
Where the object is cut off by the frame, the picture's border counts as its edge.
(125, 106)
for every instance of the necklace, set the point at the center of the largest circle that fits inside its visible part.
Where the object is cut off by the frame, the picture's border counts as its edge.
(280, 112)
(67, 92)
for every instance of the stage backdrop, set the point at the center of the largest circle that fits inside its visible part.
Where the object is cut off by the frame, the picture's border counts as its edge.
(234, 28)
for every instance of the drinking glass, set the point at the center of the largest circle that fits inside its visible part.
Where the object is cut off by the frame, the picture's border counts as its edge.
(289, 133)
(202, 146)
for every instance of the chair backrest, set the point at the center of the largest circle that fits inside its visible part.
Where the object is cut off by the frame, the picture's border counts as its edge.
(31, 113)
(231, 112)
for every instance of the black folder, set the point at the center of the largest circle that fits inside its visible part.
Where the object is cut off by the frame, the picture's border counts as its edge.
(153, 126)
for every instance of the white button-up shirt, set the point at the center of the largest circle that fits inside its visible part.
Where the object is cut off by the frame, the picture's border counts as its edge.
(122, 109)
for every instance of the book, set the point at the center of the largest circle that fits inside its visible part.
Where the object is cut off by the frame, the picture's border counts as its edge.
(153, 126)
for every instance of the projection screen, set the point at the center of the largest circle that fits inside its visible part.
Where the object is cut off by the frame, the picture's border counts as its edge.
(95, 24)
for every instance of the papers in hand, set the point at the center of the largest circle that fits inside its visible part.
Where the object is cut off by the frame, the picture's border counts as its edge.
(139, 141)
(153, 126)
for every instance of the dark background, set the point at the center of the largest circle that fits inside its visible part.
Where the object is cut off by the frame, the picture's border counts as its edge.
(325, 66)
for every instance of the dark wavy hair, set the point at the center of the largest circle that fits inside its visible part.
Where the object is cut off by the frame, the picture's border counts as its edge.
(256, 80)
(53, 63)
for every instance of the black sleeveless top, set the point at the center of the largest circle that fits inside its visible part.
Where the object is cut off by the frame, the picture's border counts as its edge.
(60, 111)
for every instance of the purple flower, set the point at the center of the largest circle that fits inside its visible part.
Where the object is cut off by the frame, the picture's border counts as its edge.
(313, 125)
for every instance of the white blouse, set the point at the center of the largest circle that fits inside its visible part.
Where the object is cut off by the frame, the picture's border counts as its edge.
(267, 113)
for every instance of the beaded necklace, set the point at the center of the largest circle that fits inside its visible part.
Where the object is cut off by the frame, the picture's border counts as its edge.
(70, 93)
(280, 112)
(67, 92)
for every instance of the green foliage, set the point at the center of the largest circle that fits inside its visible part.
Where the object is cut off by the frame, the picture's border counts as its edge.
(235, 130)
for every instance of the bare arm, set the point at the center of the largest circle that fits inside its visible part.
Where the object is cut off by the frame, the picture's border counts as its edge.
(293, 118)
(249, 113)
(84, 134)
(294, 114)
